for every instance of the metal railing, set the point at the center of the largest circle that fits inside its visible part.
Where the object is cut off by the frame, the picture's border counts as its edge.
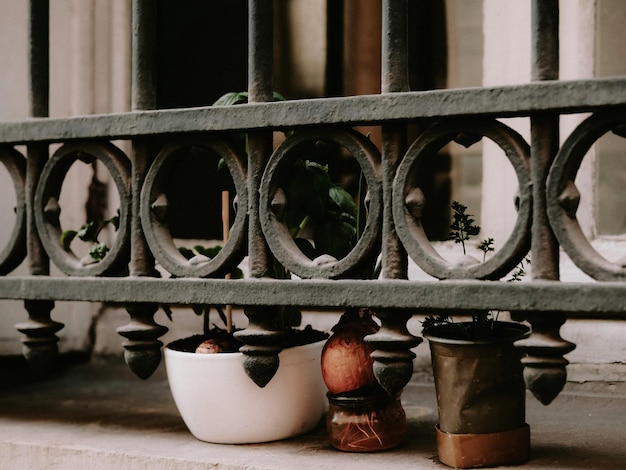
(546, 217)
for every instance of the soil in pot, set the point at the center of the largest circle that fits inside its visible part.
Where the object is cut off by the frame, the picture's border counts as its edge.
(227, 343)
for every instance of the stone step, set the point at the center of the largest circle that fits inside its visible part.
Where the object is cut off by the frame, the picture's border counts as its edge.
(98, 416)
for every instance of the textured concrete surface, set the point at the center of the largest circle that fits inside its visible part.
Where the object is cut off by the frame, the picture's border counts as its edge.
(99, 416)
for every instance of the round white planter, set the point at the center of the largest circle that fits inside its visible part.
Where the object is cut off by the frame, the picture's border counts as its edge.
(220, 404)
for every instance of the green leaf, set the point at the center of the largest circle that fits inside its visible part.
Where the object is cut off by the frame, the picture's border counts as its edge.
(236, 274)
(343, 201)
(486, 246)
(67, 237)
(232, 98)
(462, 226)
(186, 252)
(278, 97)
(98, 251)
(115, 220)
(241, 97)
(336, 238)
(88, 232)
(199, 309)
(289, 317)
(168, 311)
(209, 252)
(307, 193)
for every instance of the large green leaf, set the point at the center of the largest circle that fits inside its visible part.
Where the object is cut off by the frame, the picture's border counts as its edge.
(336, 238)
(241, 97)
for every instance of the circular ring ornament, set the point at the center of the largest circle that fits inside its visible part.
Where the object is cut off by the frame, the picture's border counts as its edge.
(409, 200)
(277, 172)
(15, 250)
(154, 208)
(47, 209)
(564, 198)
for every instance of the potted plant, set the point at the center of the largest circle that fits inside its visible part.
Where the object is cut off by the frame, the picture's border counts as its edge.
(325, 226)
(362, 416)
(219, 403)
(217, 400)
(478, 379)
(205, 371)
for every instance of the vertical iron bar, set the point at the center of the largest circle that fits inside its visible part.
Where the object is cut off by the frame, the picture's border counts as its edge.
(39, 57)
(144, 54)
(394, 67)
(544, 364)
(39, 84)
(142, 348)
(260, 83)
(395, 78)
(260, 338)
(39, 344)
(334, 47)
(393, 359)
(544, 137)
(143, 96)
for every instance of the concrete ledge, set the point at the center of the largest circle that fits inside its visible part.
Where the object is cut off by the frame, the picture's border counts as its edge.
(609, 373)
(99, 416)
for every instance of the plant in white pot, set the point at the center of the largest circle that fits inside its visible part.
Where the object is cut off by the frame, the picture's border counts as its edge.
(221, 404)
(206, 371)
(216, 398)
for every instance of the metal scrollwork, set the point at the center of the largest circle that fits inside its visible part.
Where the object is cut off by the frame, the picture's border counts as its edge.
(408, 215)
(272, 203)
(15, 250)
(154, 207)
(47, 208)
(564, 197)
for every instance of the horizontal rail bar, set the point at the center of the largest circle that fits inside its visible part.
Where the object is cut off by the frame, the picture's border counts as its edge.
(606, 300)
(505, 101)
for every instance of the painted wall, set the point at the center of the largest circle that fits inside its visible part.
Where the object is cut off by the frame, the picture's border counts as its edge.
(489, 44)
(89, 73)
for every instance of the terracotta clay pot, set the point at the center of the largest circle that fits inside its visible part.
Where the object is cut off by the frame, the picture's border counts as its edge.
(481, 396)
(365, 422)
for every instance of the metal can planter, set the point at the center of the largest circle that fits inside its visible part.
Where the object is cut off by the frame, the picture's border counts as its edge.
(481, 396)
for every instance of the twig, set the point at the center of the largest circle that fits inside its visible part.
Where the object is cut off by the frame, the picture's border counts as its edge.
(225, 235)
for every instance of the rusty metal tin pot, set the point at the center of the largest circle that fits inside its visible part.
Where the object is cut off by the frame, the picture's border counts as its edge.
(479, 383)
(481, 395)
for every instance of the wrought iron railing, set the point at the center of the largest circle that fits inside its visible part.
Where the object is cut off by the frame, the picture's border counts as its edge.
(546, 217)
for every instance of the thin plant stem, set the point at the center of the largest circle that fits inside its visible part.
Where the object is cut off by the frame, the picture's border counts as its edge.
(225, 235)
(302, 226)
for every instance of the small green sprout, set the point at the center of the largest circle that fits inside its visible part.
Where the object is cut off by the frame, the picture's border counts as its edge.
(520, 271)
(89, 233)
(462, 226)
(486, 246)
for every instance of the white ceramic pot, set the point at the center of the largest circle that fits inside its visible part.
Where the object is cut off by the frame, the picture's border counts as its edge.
(220, 404)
